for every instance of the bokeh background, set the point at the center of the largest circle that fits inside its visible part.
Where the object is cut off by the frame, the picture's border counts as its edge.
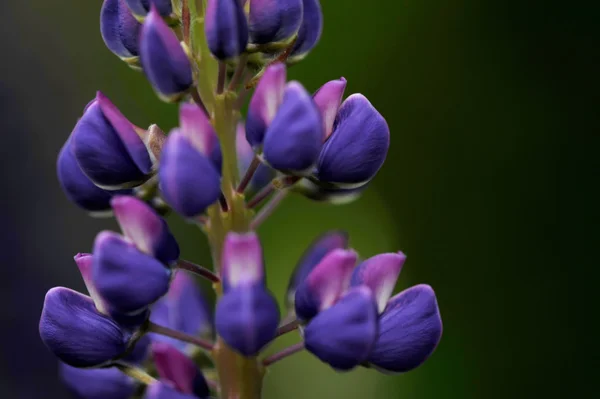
(490, 185)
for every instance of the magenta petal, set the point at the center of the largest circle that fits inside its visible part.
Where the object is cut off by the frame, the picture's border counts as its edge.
(178, 369)
(242, 262)
(328, 99)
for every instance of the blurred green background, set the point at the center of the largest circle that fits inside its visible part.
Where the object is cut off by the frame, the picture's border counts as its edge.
(489, 186)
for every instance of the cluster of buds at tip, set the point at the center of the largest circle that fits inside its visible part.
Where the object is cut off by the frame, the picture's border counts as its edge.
(144, 329)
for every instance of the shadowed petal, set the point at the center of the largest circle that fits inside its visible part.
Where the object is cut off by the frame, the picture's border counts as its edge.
(119, 29)
(310, 30)
(142, 7)
(272, 21)
(107, 383)
(226, 28)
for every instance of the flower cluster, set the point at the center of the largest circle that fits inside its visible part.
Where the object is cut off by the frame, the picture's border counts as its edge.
(145, 329)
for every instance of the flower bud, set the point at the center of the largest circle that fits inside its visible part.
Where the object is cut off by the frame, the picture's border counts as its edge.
(358, 145)
(127, 279)
(343, 335)
(159, 390)
(164, 61)
(313, 255)
(264, 103)
(108, 149)
(325, 283)
(294, 138)
(179, 370)
(78, 188)
(97, 383)
(379, 273)
(328, 100)
(273, 21)
(410, 329)
(246, 318)
(145, 228)
(76, 332)
(120, 30)
(142, 7)
(263, 174)
(195, 126)
(226, 28)
(189, 181)
(310, 30)
(242, 263)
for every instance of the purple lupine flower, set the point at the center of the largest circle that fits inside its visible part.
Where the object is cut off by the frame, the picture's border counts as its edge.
(357, 146)
(379, 273)
(97, 383)
(160, 390)
(313, 255)
(164, 61)
(120, 30)
(294, 139)
(410, 329)
(310, 30)
(77, 333)
(195, 126)
(246, 315)
(264, 103)
(325, 283)
(263, 174)
(226, 28)
(183, 309)
(127, 279)
(142, 7)
(343, 335)
(145, 228)
(272, 21)
(328, 100)
(188, 178)
(179, 370)
(107, 147)
(78, 188)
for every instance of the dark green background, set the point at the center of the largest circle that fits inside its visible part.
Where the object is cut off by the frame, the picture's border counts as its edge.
(490, 185)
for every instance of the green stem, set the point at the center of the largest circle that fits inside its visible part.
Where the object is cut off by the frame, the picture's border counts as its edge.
(239, 377)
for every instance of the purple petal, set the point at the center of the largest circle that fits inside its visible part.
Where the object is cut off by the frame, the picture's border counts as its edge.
(328, 99)
(379, 273)
(127, 279)
(272, 21)
(311, 258)
(247, 318)
(164, 61)
(145, 228)
(179, 370)
(188, 180)
(294, 139)
(358, 145)
(226, 28)
(264, 103)
(119, 29)
(103, 144)
(159, 390)
(76, 332)
(142, 7)
(84, 263)
(242, 263)
(310, 30)
(325, 283)
(343, 335)
(97, 383)
(409, 330)
(195, 126)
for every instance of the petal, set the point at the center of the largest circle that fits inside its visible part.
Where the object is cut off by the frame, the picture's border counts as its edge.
(159, 390)
(263, 174)
(226, 28)
(97, 383)
(379, 273)
(84, 263)
(127, 279)
(164, 61)
(409, 330)
(188, 180)
(294, 139)
(76, 332)
(272, 21)
(358, 145)
(328, 100)
(119, 29)
(325, 283)
(195, 126)
(344, 334)
(264, 103)
(310, 30)
(179, 370)
(141, 7)
(242, 262)
(317, 250)
(145, 228)
(247, 318)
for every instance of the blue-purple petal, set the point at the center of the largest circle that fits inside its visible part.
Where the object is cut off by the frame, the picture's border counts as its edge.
(159, 390)
(106, 383)
(226, 28)
(310, 30)
(142, 7)
(119, 29)
(272, 21)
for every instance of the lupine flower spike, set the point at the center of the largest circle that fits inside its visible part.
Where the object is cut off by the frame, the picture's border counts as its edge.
(145, 329)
